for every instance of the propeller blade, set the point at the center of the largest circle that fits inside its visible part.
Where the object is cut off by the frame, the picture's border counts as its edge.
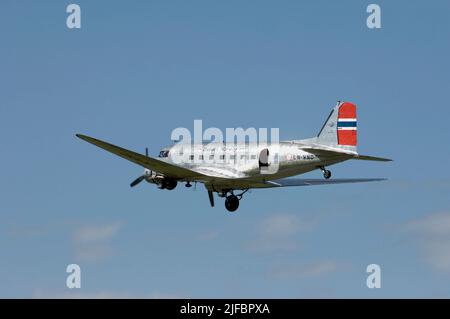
(137, 181)
(146, 151)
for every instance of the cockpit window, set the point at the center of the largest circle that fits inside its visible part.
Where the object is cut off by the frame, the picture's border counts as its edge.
(163, 154)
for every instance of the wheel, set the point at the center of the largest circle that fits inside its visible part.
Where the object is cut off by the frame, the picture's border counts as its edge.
(326, 174)
(171, 184)
(231, 203)
(168, 184)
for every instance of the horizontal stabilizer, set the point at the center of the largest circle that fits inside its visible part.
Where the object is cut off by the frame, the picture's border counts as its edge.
(372, 158)
(322, 150)
(329, 152)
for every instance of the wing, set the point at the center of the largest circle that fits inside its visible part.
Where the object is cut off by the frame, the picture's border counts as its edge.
(244, 183)
(167, 169)
(310, 182)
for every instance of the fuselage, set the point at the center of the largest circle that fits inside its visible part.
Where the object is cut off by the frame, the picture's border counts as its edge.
(247, 160)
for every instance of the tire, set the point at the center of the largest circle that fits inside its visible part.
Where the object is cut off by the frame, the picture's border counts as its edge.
(232, 203)
(168, 184)
(171, 185)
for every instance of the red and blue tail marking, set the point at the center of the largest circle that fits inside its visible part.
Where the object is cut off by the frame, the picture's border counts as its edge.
(346, 124)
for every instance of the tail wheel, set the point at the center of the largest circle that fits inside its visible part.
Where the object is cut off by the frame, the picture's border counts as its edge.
(232, 203)
(326, 174)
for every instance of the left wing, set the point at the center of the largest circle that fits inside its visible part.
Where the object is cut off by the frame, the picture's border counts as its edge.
(167, 169)
(222, 177)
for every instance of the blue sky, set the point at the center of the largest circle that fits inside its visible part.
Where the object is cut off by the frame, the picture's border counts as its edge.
(136, 70)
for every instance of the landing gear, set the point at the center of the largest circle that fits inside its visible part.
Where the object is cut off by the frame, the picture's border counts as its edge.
(168, 184)
(188, 184)
(231, 200)
(231, 203)
(326, 173)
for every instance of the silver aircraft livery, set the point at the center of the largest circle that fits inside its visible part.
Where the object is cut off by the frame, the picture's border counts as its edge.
(229, 168)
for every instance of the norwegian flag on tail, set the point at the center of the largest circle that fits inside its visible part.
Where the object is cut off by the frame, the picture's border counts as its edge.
(346, 124)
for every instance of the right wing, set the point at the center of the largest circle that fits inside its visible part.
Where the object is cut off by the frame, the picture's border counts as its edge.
(310, 182)
(244, 183)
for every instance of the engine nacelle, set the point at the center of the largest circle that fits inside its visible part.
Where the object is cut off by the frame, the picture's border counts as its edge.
(162, 181)
(168, 183)
(152, 177)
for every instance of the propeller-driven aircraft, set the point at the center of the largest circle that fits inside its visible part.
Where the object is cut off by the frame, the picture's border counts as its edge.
(227, 169)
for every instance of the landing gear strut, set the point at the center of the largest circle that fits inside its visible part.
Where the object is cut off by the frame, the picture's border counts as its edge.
(326, 173)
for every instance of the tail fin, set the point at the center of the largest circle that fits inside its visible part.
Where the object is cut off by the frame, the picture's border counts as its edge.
(339, 130)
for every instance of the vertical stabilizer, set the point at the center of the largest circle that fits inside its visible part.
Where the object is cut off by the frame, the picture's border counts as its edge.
(340, 128)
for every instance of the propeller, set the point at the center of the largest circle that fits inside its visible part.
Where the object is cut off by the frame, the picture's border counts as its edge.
(137, 181)
(140, 178)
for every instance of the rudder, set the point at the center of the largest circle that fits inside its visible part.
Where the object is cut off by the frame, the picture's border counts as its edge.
(340, 128)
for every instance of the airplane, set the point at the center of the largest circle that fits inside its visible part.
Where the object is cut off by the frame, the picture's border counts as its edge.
(244, 165)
